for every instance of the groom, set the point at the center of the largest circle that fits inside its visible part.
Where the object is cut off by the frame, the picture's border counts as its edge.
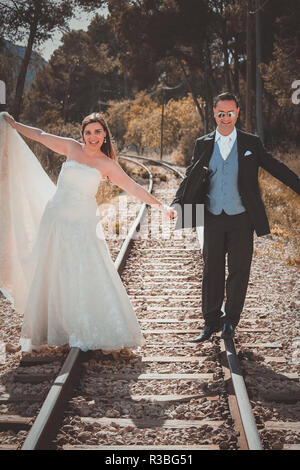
(223, 175)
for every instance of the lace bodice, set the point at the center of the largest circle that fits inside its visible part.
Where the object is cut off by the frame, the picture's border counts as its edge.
(79, 177)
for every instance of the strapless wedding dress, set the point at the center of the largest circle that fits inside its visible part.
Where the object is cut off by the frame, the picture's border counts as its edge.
(74, 293)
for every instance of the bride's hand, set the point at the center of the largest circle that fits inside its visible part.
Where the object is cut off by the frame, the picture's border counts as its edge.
(10, 120)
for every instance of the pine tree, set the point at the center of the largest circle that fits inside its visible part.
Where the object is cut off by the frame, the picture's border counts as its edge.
(36, 20)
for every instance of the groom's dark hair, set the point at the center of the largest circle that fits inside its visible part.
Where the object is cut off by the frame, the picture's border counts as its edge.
(226, 96)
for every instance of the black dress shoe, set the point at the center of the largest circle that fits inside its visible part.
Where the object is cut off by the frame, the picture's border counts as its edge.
(206, 333)
(228, 331)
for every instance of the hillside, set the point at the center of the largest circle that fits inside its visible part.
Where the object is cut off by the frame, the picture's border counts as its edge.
(15, 55)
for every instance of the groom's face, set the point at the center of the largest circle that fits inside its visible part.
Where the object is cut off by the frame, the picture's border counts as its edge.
(226, 114)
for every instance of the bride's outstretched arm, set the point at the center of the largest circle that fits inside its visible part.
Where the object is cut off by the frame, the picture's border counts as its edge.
(118, 176)
(57, 144)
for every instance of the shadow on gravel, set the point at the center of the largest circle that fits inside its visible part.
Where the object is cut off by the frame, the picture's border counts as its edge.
(272, 390)
(24, 388)
(118, 391)
(108, 387)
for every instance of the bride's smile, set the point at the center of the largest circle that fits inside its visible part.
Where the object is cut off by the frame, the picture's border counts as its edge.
(94, 136)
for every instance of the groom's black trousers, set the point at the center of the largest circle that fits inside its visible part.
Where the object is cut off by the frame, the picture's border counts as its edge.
(231, 235)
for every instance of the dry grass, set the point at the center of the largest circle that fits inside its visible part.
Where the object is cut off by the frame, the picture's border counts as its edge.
(283, 205)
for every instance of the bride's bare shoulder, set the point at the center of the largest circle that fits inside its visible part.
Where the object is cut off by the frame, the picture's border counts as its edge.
(105, 164)
(76, 145)
(74, 150)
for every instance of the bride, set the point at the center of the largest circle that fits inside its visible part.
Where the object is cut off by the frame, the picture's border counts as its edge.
(54, 262)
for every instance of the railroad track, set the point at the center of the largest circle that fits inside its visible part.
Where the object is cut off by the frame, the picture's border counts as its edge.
(172, 395)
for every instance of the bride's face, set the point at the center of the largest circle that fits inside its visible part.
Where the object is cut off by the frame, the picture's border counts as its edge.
(93, 136)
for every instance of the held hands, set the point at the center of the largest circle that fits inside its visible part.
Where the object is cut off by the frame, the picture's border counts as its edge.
(168, 213)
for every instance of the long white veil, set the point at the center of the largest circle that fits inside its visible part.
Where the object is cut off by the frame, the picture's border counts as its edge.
(25, 189)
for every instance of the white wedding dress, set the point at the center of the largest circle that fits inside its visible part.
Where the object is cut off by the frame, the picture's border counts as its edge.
(62, 277)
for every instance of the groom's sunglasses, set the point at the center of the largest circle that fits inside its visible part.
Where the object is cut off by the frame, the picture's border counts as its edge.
(222, 114)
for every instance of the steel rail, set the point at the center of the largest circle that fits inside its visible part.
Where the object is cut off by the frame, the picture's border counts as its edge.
(126, 247)
(154, 162)
(45, 426)
(239, 404)
(122, 256)
(238, 400)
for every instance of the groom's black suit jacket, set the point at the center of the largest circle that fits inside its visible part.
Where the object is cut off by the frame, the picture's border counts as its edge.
(195, 185)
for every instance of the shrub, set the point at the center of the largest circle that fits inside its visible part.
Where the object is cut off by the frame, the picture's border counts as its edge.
(138, 123)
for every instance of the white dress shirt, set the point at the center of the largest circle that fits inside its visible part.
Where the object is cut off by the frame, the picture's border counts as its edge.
(225, 142)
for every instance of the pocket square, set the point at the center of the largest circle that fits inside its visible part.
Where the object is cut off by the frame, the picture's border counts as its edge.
(247, 153)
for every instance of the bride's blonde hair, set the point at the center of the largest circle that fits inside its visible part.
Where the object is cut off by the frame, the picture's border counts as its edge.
(107, 146)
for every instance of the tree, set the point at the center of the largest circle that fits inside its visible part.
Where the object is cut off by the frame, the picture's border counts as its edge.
(161, 37)
(201, 44)
(36, 20)
(81, 75)
(194, 40)
(280, 69)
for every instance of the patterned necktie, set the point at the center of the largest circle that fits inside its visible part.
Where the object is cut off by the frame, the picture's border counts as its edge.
(225, 147)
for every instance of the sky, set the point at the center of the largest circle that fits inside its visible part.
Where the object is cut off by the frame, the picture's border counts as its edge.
(49, 46)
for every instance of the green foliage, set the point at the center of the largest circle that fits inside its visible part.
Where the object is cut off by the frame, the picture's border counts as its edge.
(281, 71)
(143, 44)
(153, 31)
(36, 20)
(45, 15)
(81, 74)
